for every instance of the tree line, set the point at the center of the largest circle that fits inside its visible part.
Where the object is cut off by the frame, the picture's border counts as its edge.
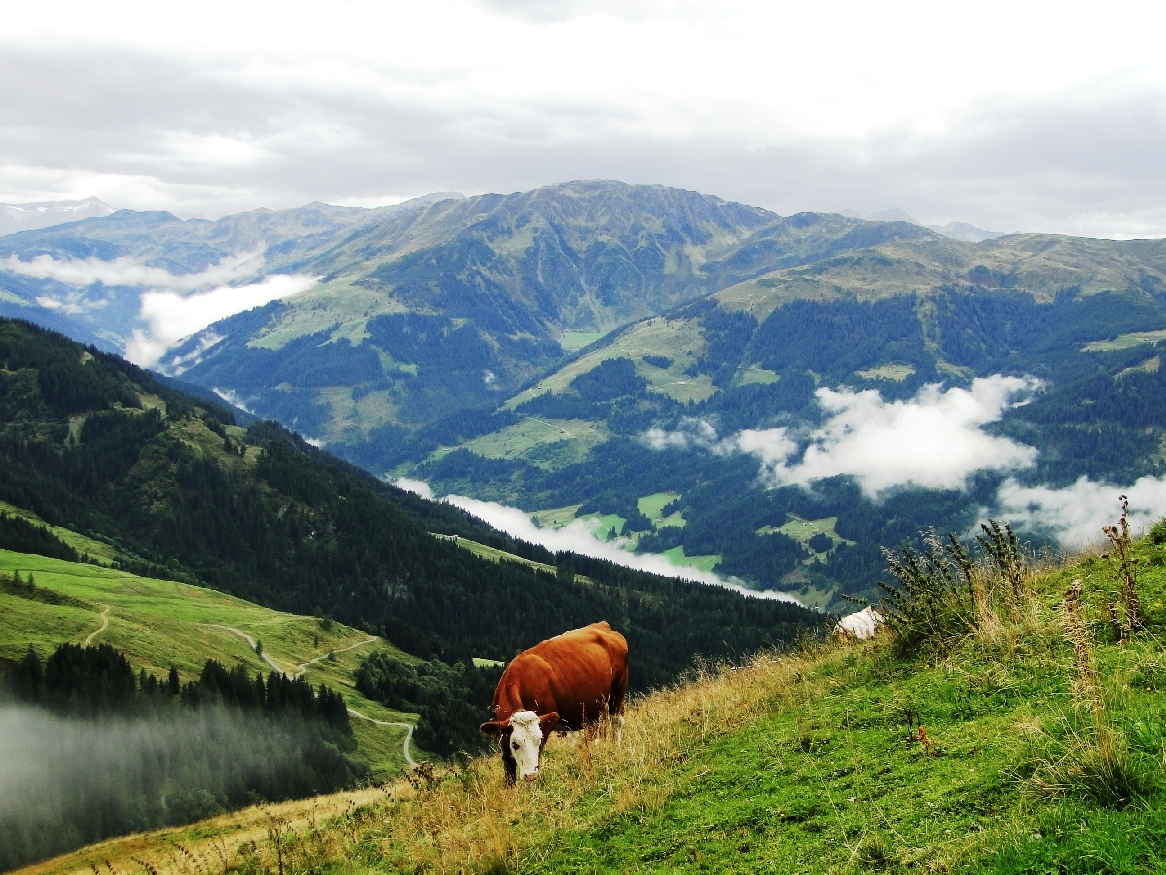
(112, 751)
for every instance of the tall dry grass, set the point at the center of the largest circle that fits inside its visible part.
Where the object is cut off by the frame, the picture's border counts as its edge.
(467, 820)
(1090, 755)
(463, 818)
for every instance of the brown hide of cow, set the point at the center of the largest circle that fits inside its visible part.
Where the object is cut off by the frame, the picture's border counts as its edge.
(569, 681)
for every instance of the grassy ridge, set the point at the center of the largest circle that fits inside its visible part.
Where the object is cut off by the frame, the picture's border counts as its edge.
(808, 762)
(159, 623)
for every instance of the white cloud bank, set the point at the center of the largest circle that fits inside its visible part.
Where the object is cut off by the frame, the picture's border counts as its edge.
(172, 316)
(1074, 515)
(130, 272)
(932, 441)
(169, 309)
(579, 537)
(417, 487)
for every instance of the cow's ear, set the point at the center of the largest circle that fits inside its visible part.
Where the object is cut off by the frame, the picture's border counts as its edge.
(492, 728)
(548, 722)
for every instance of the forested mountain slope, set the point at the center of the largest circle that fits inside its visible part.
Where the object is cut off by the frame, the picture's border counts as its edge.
(96, 445)
(425, 310)
(668, 406)
(462, 341)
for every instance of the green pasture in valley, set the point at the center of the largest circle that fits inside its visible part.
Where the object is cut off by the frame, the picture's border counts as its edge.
(542, 441)
(573, 341)
(1125, 341)
(652, 506)
(802, 530)
(700, 563)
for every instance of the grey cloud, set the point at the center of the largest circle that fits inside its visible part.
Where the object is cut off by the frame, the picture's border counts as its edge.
(211, 143)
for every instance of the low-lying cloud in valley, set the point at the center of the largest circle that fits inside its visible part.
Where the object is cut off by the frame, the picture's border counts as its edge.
(129, 272)
(1074, 515)
(176, 305)
(580, 537)
(935, 440)
(172, 316)
(932, 441)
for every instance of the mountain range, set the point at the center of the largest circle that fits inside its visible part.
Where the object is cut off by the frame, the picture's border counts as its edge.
(679, 370)
(43, 214)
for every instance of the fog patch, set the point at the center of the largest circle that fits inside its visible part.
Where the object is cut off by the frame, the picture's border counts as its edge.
(691, 433)
(1073, 516)
(180, 363)
(580, 537)
(232, 397)
(417, 487)
(175, 305)
(66, 782)
(932, 441)
(126, 271)
(70, 308)
(172, 316)
(935, 440)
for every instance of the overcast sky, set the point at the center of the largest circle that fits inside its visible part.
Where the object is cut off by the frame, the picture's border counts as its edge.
(1012, 116)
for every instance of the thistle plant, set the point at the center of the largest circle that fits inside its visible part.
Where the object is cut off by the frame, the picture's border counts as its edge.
(1122, 556)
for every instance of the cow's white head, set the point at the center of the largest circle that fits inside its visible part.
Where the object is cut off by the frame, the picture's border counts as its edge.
(522, 738)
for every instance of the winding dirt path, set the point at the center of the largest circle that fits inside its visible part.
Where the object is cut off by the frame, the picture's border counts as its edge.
(252, 643)
(302, 667)
(408, 734)
(102, 628)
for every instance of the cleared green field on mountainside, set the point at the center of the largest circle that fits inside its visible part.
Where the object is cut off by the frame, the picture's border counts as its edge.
(159, 623)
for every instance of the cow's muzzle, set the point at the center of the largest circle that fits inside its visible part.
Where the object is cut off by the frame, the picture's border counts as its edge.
(533, 776)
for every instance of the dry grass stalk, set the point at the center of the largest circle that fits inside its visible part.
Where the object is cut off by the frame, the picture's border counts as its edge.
(1085, 689)
(1095, 763)
(1122, 555)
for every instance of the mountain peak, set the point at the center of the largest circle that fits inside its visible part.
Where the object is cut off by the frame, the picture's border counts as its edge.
(962, 231)
(44, 214)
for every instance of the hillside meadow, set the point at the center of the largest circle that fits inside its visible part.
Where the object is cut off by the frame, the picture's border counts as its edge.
(159, 623)
(1028, 739)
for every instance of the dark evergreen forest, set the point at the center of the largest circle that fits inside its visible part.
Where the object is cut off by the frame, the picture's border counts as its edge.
(181, 492)
(108, 752)
(452, 700)
(1100, 414)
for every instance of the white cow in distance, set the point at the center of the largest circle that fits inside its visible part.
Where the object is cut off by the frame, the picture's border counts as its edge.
(861, 624)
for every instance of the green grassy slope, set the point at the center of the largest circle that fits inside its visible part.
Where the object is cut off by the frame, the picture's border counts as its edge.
(159, 623)
(810, 762)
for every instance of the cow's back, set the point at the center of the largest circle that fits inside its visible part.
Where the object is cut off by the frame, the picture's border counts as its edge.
(579, 674)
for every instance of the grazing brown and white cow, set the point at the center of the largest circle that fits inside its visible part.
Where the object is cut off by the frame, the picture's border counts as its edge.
(567, 682)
